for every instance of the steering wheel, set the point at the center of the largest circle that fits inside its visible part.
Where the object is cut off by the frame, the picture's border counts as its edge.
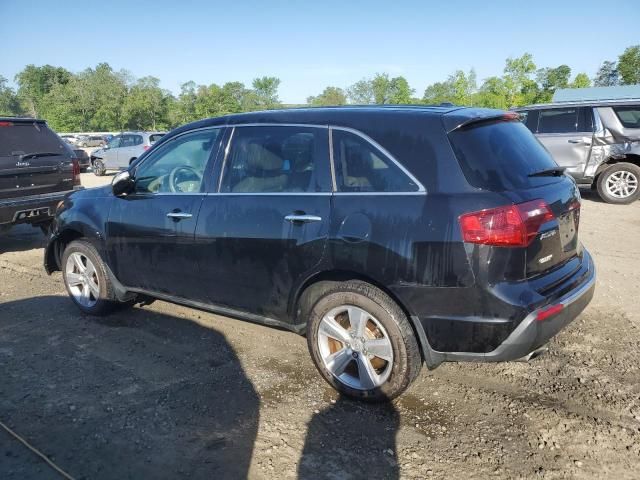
(174, 176)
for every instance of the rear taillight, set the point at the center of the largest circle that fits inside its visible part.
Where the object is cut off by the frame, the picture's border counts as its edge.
(76, 171)
(146, 147)
(508, 226)
(549, 312)
(6, 124)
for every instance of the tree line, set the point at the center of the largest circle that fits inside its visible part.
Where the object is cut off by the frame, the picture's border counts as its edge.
(101, 99)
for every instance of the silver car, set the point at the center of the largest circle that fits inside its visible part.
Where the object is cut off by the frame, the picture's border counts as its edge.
(121, 150)
(91, 141)
(598, 143)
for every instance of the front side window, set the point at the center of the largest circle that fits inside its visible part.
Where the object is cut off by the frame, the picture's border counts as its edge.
(277, 159)
(558, 120)
(131, 140)
(361, 167)
(114, 142)
(629, 116)
(177, 167)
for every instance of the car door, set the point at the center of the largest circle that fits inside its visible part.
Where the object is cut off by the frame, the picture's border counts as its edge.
(264, 230)
(150, 231)
(110, 154)
(129, 149)
(567, 132)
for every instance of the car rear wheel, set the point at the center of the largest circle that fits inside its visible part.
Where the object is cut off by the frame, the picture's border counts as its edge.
(362, 342)
(620, 183)
(98, 168)
(85, 277)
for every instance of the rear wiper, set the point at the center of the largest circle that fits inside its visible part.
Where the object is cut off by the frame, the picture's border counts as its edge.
(549, 172)
(38, 154)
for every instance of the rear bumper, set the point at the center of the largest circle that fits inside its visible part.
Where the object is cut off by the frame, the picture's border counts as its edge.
(532, 333)
(10, 208)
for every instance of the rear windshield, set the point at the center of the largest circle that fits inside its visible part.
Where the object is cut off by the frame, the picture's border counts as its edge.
(22, 138)
(155, 137)
(500, 156)
(629, 116)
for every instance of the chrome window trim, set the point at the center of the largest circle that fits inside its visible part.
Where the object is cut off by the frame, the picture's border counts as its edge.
(371, 141)
(263, 194)
(334, 187)
(417, 192)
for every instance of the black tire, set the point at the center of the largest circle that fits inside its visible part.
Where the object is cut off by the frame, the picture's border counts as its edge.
(107, 300)
(632, 170)
(132, 160)
(98, 168)
(407, 361)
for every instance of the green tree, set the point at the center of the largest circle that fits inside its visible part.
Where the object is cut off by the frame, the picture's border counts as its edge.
(458, 89)
(581, 81)
(380, 90)
(607, 75)
(492, 94)
(266, 93)
(551, 79)
(629, 66)
(329, 96)
(521, 88)
(35, 82)
(361, 93)
(9, 104)
(146, 106)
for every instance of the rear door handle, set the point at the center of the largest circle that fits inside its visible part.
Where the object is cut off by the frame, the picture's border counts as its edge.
(302, 218)
(574, 141)
(179, 215)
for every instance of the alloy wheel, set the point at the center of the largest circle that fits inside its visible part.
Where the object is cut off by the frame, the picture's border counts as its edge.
(622, 184)
(82, 279)
(355, 347)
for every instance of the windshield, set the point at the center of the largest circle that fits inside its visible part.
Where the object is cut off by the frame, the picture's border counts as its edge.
(501, 155)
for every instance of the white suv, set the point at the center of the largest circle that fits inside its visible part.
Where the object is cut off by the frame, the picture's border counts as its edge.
(121, 150)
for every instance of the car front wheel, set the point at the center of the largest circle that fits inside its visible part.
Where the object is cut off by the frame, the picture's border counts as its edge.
(362, 342)
(620, 183)
(85, 277)
(98, 168)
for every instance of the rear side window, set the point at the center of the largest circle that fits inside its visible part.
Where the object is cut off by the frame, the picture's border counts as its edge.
(500, 156)
(361, 167)
(155, 137)
(558, 120)
(629, 116)
(18, 138)
(277, 159)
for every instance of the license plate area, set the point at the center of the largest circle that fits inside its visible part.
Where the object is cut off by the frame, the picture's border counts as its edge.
(31, 214)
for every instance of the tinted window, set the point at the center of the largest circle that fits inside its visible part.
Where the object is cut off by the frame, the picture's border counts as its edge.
(558, 120)
(155, 137)
(629, 116)
(361, 167)
(20, 138)
(131, 140)
(500, 156)
(178, 167)
(277, 159)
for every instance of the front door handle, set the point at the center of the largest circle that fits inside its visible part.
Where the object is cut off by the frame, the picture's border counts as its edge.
(179, 215)
(293, 218)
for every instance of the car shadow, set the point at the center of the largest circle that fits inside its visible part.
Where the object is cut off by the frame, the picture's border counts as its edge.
(21, 238)
(134, 395)
(351, 439)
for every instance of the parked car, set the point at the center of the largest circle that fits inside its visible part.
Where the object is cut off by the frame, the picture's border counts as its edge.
(84, 161)
(122, 150)
(597, 142)
(390, 236)
(70, 139)
(92, 141)
(37, 169)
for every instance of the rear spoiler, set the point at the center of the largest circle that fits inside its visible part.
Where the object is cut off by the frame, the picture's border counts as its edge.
(476, 117)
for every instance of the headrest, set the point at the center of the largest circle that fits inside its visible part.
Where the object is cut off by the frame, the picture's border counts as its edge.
(259, 158)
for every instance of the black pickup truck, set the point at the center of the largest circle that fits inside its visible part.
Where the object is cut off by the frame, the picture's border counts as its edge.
(37, 169)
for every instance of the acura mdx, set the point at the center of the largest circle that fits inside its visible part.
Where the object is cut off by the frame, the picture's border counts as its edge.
(391, 237)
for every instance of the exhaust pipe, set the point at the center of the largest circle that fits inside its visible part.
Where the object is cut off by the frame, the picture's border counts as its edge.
(534, 354)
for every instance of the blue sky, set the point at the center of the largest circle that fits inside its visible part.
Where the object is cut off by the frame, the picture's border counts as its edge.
(310, 45)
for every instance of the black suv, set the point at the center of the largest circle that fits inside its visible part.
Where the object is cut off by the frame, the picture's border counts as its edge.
(391, 236)
(37, 169)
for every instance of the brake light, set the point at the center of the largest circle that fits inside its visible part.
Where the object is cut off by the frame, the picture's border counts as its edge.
(508, 226)
(549, 311)
(76, 171)
(146, 147)
(6, 124)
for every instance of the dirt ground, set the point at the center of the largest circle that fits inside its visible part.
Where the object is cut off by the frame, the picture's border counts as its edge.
(169, 392)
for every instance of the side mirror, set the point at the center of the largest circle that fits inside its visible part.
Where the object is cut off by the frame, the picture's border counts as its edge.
(122, 184)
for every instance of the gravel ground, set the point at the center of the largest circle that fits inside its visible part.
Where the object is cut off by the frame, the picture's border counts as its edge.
(165, 392)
